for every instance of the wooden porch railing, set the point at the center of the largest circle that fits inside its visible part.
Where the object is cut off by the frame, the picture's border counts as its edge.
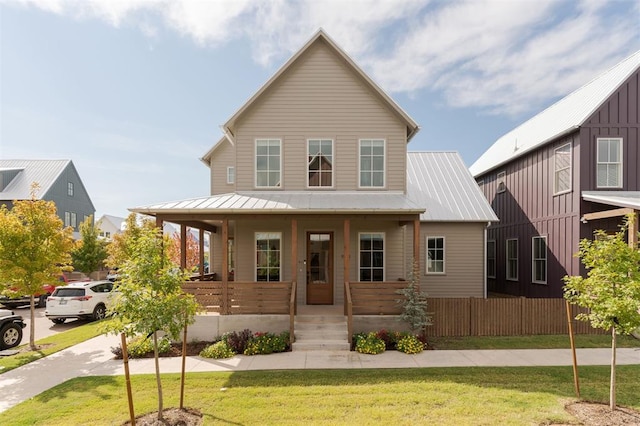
(242, 297)
(292, 312)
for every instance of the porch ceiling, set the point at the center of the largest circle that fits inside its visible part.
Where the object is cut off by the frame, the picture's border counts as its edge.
(629, 199)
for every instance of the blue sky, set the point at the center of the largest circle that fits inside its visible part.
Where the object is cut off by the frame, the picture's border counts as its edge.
(134, 92)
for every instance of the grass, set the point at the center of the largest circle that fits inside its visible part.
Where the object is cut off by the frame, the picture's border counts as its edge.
(532, 342)
(461, 396)
(51, 344)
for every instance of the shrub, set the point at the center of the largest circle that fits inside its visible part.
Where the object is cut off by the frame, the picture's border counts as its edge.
(140, 346)
(238, 341)
(267, 343)
(388, 338)
(218, 350)
(370, 344)
(410, 345)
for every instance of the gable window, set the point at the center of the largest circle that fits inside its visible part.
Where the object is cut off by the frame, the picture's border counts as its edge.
(70, 189)
(372, 163)
(435, 255)
(609, 167)
(500, 181)
(512, 260)
(562, 169)
(268, 256)
(491, 259)
(320, 162)
(371, 263)
(67, 219)
(268, 163)
(539, 259)
(231, 174)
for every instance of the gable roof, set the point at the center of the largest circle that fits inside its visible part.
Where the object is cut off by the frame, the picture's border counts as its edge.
(561, 118)
(45, 172)
(441, 183)
(116, 221)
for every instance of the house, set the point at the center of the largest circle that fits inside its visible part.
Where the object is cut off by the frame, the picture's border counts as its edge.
(556, 178)
(109, 226)
(59, 182)
(312, 186)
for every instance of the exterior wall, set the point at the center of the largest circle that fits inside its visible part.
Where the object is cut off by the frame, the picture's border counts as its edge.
(224, 157)
(320, 97)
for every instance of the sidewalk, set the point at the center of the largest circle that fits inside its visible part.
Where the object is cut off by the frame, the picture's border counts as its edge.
(94, 358)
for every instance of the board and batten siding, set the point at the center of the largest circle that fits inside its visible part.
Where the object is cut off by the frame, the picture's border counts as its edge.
(319, 96)
(79, 203)
(223, 157)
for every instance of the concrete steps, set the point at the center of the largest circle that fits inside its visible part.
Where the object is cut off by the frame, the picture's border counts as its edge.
(320, 332)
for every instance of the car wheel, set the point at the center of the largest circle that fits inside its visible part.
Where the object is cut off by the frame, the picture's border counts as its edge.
(11, 335)
(42, 301)
(99, 312)
(59, 320)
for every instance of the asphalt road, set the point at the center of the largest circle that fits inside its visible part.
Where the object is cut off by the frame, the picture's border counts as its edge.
(44, 326)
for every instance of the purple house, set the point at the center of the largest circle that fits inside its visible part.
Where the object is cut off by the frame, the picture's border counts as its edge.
(556, 178)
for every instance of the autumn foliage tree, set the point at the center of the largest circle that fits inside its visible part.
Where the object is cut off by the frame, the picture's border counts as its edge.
(193, 250)
(90, 252)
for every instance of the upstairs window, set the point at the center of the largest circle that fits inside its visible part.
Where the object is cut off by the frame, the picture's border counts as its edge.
(539, 260)
(371, 262)
(512, 260)
(609, 167)
(500, 181)
(268, 163)
(320, 163)
(562, 169)
(491, 259)
(435, 255)
(372, 163)
(70, 189)
(231, 174)
(268, 256)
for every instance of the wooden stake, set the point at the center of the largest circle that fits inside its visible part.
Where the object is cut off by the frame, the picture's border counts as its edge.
(184, 360)
(127, 376)
(576, 380)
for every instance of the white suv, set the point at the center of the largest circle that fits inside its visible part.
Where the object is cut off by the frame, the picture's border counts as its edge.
(82, 299)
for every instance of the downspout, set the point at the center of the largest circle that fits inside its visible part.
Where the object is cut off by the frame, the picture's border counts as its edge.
(484, 267)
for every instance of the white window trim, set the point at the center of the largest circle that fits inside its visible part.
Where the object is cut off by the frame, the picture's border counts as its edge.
(501, 178)
(255, 156)
(533, 259)
(516, 258)
(384, 254)
(67, 219)
(255, 264)
(444, 255)
(231, 175)
(74, 220)
(570, 167)
(495, 259)
(384, 180)
(620, 171)
(70, 189)
(333, 164)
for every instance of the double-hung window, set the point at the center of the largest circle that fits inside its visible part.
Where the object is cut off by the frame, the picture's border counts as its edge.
(609, 167)
(435, 255)
(70, 189)
(539, 260)
(371, 262)
(320, 163)
(231, 175)
(268, 250)
(268, 163)
(562, 169)
(67, 219)
(372, 163)
(491, 259)
(74, 220)
(512, 259)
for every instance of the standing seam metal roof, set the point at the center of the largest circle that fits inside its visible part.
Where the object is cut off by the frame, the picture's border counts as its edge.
(44, 172)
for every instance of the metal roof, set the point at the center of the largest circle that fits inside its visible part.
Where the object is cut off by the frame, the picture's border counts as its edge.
(440, 182)
(286, 202)
(559, 119)
(44, 172)
(630, 199)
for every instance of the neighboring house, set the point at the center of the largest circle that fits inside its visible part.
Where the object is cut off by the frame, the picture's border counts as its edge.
(312, 183)
(556, 178)
(59, 182)
(110, 226)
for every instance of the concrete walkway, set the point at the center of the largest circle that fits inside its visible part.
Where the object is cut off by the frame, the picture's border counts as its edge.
(94, 358)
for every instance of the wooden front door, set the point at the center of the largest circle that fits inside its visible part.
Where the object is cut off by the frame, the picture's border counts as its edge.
(319, 268)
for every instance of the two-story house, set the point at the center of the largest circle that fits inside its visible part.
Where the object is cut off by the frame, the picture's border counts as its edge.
(312, 183)
(109, 226)
(556, 178)
(58, 181)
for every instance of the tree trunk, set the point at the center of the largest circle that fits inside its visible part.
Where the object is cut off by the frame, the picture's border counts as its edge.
(32, 326)
(158, 382)
(612, 387)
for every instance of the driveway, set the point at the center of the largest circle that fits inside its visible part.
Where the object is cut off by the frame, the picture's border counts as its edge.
(44, 327)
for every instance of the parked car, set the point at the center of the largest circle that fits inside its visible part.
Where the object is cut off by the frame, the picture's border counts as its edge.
(113, 275)
(82, 299)
(11, 326)
(12, 300)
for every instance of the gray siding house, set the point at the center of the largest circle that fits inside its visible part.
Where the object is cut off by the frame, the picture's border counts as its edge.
(59, 182)
(556, 178)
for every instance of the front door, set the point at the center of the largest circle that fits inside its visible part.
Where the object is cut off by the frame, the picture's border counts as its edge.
(319, 268)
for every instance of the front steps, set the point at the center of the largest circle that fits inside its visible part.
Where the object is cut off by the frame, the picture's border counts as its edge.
(320, 333)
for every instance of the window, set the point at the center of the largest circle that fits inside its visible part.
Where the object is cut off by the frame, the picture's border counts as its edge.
(101, 233)
(562, 169)
(372, 163)
(539, 259)
(500, 181)
(481, 183)
(491, 259)
(320, 162)
(435, 255)
(609, 167)
(268, 256)
(371, 266)
(70, 189)
(512, 260)
(67, 219)
(73, 220)
(268, 163)
(107, 234)
(231, 174)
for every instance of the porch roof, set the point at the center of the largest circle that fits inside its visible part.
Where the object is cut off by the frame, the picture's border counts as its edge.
(288, 202)
(629, 199)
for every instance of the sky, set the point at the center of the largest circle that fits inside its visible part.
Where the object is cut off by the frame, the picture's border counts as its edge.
(135, 91)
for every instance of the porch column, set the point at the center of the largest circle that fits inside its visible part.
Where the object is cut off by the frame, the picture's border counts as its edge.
(201, 252)
(416, 242)
(632, 232)
(183, 247)
(345, 256)
(225, 267)
(294, 255)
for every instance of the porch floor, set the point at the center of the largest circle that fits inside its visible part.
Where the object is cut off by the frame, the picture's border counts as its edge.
(326, 310)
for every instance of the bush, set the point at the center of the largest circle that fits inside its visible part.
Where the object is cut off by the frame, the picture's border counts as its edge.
(370, 344)
(140, 346)
(267, 343)
(238, 341)
(218, 350)
(410, 345)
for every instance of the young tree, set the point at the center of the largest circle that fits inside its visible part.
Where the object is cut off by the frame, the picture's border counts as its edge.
(149, 296)
(611, 290)
(34, 248)
(414, 304)
(193, 250)
(90, 252)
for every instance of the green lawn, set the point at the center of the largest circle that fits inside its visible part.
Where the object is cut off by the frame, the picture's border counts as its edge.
(460, 396)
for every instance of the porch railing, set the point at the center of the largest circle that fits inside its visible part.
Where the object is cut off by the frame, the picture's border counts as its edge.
(372, 298)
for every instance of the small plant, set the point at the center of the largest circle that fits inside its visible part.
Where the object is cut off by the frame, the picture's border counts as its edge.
(218, 350)
(388, 338)
(140, 346)
(414, 304)
(238, 341)
(410, 345)
(267, 343)
(370, 344)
